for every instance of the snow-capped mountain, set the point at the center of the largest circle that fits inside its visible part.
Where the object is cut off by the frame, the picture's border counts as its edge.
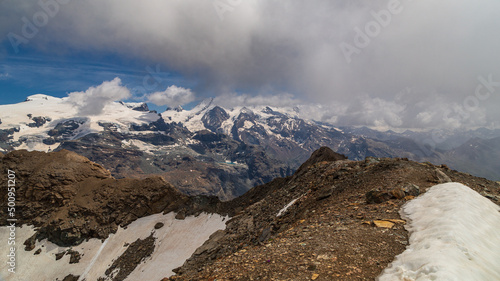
(280, 131)
(208, 149)
(42, 122)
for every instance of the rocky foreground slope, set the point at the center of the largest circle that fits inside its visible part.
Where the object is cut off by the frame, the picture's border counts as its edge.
(334, 219)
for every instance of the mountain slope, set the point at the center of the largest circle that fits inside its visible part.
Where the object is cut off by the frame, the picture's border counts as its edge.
(73, 217)
(320, 225)
(70, 199)
(477, 156)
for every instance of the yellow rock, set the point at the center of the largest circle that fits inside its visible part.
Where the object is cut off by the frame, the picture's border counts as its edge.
(397, 221)
(385, 224)
(322, 257)
(315, 276)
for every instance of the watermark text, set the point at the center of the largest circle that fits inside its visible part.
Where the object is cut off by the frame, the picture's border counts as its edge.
(11, 220)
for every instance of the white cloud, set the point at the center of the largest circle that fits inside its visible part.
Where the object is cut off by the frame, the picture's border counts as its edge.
(295, 47)
(94, 99)
(172, 96)
(4, 75)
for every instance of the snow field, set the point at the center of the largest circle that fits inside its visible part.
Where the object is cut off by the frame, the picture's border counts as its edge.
(175, 242)
(454, 235)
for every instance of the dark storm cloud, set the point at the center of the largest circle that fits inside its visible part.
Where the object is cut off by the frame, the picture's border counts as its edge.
(379, 63)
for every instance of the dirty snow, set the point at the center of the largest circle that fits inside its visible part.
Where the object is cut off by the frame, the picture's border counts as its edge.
(454, 235)
(175, 242)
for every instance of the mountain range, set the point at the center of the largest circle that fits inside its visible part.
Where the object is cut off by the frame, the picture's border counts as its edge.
(212, 150)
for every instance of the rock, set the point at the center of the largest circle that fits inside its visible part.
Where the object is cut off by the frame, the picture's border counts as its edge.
(376, 196)
(159, 225)
(322, 154)
(65, 129)
(407, 192)
(383, 223)
(181, 215)
(491, 196)
(397, 193)
(60, 255)
(386, 223)
(325, 193)
(74, 256)
(323, 257)
(131, 258)
(396, 221)
(314, 276)
(266, 233)
(30, 243)
(49, 141)
(37, 252)
(143, 107)
(39, 121)
(411, 190)
(441, 176)
(211, 244)
(371, 160)
(214, 118)
(207, 136)
(71, 277)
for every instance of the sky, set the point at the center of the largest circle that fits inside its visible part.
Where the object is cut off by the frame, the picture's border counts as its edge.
(384, 64)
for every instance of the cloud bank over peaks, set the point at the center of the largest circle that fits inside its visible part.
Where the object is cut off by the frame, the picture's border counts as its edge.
(409, 109)
(436, 49)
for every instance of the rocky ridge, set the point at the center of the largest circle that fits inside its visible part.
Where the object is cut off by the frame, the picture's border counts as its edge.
(323, 224)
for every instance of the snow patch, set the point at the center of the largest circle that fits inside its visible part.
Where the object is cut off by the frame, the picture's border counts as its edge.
(140, 145)
(454, 235)
(284, 209)
(247, 124)
(175, 242)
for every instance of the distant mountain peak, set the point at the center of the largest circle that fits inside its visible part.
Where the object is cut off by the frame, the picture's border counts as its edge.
(214, 118)
(137, 106)
(40, 97)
